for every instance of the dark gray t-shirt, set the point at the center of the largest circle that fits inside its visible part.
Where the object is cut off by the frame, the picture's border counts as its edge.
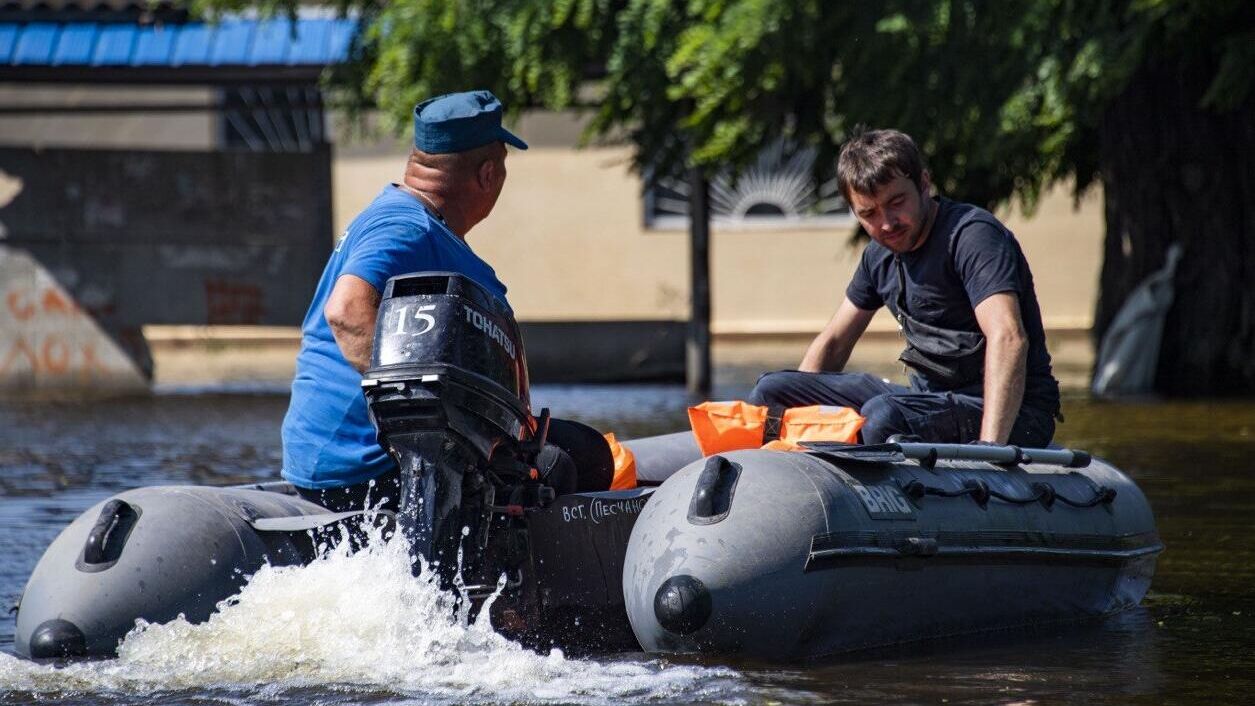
(968, 257)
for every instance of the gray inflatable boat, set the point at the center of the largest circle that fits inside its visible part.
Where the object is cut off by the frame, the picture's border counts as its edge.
(762, 554)
(785, 555)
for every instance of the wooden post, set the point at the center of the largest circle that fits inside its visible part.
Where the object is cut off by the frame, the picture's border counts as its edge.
(697, 365)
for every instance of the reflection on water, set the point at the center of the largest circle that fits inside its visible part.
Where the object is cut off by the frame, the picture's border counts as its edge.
(1191, 643)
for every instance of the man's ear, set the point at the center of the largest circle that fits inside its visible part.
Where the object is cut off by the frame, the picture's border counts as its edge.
(486, 174)
(926, 183)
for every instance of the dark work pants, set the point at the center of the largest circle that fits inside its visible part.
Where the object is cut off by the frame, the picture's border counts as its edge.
(940, 417)
(576, 459)
(382, 491)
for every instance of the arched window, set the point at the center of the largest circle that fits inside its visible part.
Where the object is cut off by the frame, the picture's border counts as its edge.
(782, 190)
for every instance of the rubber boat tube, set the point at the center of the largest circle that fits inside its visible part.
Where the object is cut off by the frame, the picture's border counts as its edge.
(155, 553)
(787, 555)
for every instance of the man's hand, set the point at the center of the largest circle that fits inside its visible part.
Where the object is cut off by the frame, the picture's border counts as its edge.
(830, 350)
(1006, 357)
(350, 311)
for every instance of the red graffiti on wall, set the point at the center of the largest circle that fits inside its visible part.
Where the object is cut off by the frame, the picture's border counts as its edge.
(21, 309)
(25, 305)
(52, 356)
(46, 353)
(228, 302)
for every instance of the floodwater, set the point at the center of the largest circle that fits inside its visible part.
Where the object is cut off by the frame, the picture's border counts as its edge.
(1193, 641)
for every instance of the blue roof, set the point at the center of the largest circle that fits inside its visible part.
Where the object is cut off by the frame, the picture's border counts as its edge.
(314, 41)
(232, 44)
(154, 46)
(35, 43)
(191, 46)
(8, 40)
(273, 42)
(113, 45)
(76, 44)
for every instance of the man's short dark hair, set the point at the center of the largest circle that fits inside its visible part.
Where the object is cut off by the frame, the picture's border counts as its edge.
(873, 158)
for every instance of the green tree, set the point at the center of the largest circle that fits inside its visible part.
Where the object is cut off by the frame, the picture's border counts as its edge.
(1151, 97)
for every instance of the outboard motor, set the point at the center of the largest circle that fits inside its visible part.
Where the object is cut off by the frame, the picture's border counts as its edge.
(448, 394)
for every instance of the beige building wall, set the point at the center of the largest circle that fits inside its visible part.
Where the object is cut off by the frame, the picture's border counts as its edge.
(568, 239)
(1063, 241)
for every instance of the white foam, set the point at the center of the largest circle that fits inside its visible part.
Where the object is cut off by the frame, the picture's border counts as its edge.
(359, 622)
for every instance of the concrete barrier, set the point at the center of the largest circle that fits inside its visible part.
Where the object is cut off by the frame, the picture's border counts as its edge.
(49, 343)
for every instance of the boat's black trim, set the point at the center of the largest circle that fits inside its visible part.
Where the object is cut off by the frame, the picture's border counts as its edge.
(978, 546)
(929, 454)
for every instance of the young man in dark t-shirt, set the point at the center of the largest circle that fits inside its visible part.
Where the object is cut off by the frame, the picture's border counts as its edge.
(959, 286)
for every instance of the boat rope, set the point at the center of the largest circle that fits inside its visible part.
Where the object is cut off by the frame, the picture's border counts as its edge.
(980, 491)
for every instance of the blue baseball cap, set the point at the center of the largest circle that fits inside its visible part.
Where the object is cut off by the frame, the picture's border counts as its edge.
(457, 122)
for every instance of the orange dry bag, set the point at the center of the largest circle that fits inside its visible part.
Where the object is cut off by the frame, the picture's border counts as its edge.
(820, 423)
(728, 426)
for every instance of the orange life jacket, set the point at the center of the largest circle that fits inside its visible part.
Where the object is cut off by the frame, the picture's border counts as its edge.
(728, 426)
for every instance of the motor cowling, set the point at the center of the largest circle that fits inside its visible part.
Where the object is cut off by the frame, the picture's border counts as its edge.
(447, 391)
(442, 331)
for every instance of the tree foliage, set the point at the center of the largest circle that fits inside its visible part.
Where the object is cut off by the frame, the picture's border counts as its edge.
(1003, 97)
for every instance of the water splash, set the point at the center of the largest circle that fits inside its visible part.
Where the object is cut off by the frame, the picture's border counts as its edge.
(356, 624)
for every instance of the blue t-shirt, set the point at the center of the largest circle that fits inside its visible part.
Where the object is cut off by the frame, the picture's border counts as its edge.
(328, 440)
(968, 257)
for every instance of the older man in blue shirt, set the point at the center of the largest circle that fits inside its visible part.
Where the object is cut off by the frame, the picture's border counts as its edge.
(452, 180)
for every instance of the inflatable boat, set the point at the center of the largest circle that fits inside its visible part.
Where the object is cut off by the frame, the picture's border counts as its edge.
(778, 555)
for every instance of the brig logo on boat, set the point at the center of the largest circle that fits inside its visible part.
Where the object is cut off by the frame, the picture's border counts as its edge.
(883, 502)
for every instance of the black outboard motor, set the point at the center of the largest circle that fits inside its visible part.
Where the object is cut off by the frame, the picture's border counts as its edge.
(448, 393)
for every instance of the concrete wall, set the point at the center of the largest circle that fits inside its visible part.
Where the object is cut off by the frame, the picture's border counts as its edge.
(174, 237)
(105, 129)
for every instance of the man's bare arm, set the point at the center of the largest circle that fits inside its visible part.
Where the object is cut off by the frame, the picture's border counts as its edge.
(830, 350)
(351, 311)
(1006, 357)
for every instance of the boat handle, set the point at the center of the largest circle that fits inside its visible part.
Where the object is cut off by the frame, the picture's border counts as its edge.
(108, 535)
(712, 495)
